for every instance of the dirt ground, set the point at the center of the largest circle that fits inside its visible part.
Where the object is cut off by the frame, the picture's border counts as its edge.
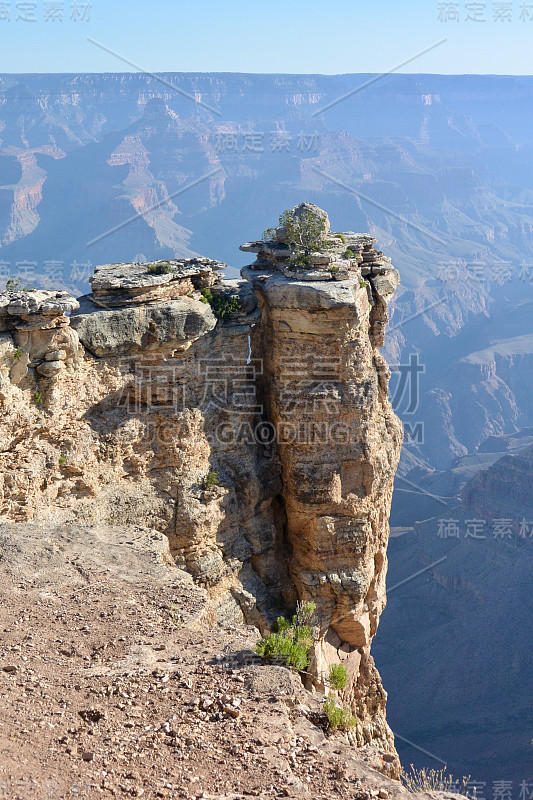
(115, 683)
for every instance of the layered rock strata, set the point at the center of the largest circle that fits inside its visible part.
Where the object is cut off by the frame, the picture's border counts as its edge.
(35, 336)
(344, 255)
(325, 387)
(117, 285)
(247, 420)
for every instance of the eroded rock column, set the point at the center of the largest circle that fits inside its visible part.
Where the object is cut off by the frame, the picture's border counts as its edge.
(326, 390)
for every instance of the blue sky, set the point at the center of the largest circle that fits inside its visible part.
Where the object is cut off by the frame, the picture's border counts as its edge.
(274, 36)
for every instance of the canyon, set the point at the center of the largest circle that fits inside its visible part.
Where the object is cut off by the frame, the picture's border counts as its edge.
(438, 169)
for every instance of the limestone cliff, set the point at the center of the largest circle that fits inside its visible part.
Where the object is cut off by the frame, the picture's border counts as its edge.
(247, 420)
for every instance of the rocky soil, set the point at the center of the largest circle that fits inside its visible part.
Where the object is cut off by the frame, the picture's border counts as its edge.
(114, 682)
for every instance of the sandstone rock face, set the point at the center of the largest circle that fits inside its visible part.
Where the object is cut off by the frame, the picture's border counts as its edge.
(339, 441)
(249, 423)
(158, 396)
(32, 309)
(123, 331)
(37, 337)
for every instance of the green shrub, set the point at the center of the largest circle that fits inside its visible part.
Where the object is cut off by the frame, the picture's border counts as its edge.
(348, 253)
(292, 640)
(161, 268)
(337, 717)
(62, 461)
(38, 399)
(338, 677)
(17, 355)
(223, 307)
(362, 283)
(16, 285)
(209, 479)
(282, 646)
(340, 236)
(305, 613)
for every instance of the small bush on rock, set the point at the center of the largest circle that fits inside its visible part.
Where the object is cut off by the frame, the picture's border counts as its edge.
(304, 234)
(209, 480)
(338, 677)
(161, 268)
(223, 307)
(337, 717)
(433, 780)
(293, 639)
(16, 285)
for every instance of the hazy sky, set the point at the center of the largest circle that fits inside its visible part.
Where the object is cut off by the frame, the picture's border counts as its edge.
(272, 36)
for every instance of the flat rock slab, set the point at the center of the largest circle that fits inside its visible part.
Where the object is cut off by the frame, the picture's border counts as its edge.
(16, 307)
(342, 253)
(51, 554)
(116, 285)
(284, 292)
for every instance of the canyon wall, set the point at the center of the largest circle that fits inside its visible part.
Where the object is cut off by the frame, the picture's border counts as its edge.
(247, 420)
